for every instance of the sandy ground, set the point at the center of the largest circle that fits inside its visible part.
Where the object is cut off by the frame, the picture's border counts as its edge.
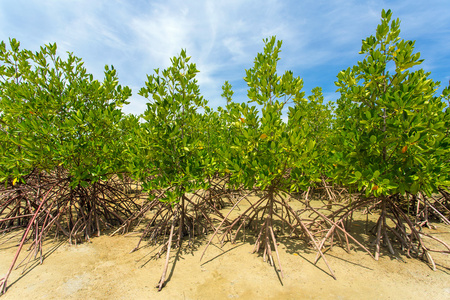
(104, 269)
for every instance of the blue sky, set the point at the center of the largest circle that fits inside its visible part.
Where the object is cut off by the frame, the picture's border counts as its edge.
(320, 38)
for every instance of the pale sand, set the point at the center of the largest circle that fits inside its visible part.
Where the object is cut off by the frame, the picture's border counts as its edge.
(104, 269)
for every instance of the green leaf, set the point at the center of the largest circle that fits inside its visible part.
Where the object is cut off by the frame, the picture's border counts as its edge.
(376, 174)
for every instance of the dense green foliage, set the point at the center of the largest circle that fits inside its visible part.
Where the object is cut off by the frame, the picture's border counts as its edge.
(388, 135)
(171, 144)
(263, 147)
(65, 142)
(389, 123)
(54, 115)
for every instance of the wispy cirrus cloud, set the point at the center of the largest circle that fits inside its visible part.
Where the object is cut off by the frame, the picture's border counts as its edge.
(319, 38)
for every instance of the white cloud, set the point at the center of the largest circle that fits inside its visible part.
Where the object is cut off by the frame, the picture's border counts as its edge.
(223, 37)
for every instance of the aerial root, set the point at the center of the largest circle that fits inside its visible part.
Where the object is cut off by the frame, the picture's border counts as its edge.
(169, 244)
